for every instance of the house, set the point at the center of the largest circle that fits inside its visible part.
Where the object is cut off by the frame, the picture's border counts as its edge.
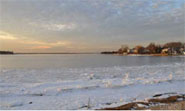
(165, 51)
(130, 51)
(146, 51)
(182, 50)
(135, 51)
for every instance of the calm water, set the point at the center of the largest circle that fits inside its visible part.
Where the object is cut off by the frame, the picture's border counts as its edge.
(80, 61)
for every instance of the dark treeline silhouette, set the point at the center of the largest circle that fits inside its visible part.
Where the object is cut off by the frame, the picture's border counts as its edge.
(107, 52)
(6, 52)
(171, 48)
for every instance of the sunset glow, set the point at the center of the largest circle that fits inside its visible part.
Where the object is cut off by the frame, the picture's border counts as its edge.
(88, 26)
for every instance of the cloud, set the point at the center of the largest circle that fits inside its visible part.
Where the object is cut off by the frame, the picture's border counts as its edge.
(41, 47)
(60, 43)
(55, 27)
(95, 22)
(30, 43)
(61, 27)
(51, 44)
(7, 36)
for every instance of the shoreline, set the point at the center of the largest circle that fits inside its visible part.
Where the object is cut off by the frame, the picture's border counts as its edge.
(154, 55)
(157, 102)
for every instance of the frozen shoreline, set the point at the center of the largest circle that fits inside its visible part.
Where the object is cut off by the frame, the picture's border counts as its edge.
(152, 55)
(88, 87)
(50, 96)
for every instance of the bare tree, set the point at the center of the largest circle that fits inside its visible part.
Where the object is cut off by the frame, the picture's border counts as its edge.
(152, 48)
(140, 49)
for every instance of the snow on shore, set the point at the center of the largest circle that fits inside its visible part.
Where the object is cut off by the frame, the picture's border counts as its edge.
(92, 87)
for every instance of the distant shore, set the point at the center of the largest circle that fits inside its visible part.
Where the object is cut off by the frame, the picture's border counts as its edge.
(6, 52)
(91, 53)
(168, 49)
(144, 55)
(44, 53)
(56, 53)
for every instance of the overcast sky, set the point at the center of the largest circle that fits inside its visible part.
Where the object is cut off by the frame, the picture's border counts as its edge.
(88, 25)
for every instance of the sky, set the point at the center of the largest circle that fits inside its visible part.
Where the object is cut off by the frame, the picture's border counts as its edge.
(88, 25)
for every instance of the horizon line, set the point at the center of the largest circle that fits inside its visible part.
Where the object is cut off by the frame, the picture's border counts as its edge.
(57, 52)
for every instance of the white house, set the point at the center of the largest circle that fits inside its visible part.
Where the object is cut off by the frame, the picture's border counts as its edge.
(164, 51)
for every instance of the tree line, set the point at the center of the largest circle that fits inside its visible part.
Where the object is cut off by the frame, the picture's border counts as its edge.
(6, 52)
(168, 48)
